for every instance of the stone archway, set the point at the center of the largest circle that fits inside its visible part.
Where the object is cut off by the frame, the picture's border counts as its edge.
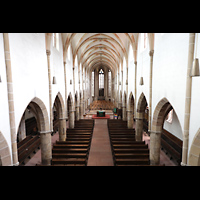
(42, 118)
(5, 156)
(59, 105)
(160, 113)
(130, 111)
(142, 104)
(194, 155)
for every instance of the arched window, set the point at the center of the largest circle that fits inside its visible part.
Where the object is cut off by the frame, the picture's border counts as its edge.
(109, 83)
(101, 82)
(92, 83)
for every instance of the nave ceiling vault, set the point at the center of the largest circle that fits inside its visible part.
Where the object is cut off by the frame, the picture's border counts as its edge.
(100, 49)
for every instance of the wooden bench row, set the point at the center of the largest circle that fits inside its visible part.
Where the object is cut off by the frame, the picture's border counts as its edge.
(126, 151)
(75, 150)
(27, 147)
(172, 146)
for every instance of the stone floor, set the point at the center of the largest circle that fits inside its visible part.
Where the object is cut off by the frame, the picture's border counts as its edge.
(100, 150)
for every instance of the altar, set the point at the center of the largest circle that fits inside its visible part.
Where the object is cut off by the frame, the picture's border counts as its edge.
(100, 113)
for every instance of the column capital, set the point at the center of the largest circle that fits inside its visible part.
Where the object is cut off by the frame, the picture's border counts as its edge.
(48, 52)
(151, 52)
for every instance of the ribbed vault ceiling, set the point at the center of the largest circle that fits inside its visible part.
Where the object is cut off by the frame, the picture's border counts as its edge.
(99, 49)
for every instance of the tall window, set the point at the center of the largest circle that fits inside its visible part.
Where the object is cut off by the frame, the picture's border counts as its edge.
(92, 83)
(56, 40)
(109, 83)
(101, 79)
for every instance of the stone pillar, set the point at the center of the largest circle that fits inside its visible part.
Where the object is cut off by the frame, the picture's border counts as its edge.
(150, 87)
(124, 112)
(96, 84)
(48, 52)
(139, 126)
(139, 129)
(155, 143)
(46, 152)
(62, 129)
(77, 113)
(188, 100)
(129, 118)
(135, 107)
(81, 109)
(65, 78)
(71, 118)
(10, 99)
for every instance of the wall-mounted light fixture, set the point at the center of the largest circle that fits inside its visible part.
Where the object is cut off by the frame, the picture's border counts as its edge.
(141, 81)
(54, 80)
(195, 66)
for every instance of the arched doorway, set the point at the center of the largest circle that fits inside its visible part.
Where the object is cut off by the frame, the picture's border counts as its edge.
(140, 115)
(59, 116)
(71, 110)
(36, 109)
(130, 111)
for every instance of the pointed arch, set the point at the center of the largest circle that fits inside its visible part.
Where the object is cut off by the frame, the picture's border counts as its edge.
(5, 156)
(194, 155)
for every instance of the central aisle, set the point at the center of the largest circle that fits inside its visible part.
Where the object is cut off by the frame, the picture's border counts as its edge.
(100, 150)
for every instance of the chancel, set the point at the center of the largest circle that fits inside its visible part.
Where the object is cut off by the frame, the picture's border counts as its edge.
(99, 99)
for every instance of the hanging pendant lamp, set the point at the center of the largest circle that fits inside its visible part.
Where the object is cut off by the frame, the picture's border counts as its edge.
(54, 80)
(141, 81)
(195, 68)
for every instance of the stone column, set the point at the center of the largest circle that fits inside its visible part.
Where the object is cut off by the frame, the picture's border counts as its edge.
(10, 99)
(62, 129)
(124, 112)
(96, 84)
(130, 118)
(46, 152)
(65, 78)
(48, 52)
(77, 113)
(155, 148)
(139, 126)
(188, 100)
(135, 107)
(150, 87)
(71, 118)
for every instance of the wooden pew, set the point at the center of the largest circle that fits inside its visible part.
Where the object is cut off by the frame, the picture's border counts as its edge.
(74, 151)
(27, 148)
(172, 146)
(126, 151)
